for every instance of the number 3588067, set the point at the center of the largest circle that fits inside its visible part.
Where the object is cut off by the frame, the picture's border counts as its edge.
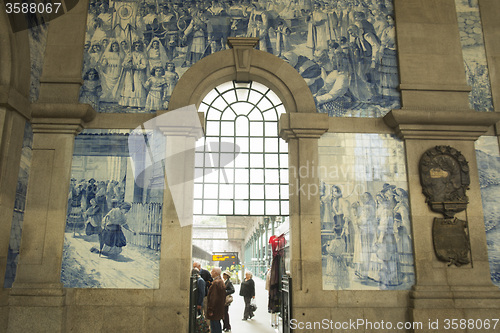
(32, 8)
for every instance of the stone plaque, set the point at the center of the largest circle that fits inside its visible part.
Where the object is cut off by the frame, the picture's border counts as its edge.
(451, 241)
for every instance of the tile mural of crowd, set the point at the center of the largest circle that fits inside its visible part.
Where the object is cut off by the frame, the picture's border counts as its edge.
(365, 217)
(135, 51)
(488, 162)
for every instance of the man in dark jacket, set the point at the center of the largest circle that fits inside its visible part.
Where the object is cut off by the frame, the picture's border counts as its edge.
(205, 275)
(216, 300)
(200, 288)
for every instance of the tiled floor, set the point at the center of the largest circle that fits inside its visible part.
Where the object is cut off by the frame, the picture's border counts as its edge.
(261, 323)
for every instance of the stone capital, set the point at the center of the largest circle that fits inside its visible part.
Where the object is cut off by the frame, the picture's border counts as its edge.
(303, 125)
(60, 118)
(242, 51)
(440, 125)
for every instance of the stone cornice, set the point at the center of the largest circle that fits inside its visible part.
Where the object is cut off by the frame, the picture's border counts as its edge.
(440, 125)
(303, 125)
(60, 117)
(242, 51)
(14, 100)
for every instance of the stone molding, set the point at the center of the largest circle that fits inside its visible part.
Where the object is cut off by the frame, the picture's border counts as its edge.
(440, 125)
(14, 100)
(303, 125)
(60, 118)
(242, 51)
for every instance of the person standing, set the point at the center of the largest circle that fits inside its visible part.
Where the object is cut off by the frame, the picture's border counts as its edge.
(229, 291)
(207, 277)
(216, 300)
(201, 289)
(247, 290)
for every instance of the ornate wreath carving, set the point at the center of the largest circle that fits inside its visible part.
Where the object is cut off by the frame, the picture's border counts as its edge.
(444, 175)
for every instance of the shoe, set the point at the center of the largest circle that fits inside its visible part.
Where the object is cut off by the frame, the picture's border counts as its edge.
(244, 319)
(251, 316)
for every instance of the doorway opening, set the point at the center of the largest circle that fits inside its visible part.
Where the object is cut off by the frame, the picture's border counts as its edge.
(241, 190)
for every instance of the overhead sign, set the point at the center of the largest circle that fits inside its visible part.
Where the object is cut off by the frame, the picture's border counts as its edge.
(223, 257)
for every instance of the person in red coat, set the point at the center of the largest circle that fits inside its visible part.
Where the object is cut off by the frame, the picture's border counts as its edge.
(216, 300)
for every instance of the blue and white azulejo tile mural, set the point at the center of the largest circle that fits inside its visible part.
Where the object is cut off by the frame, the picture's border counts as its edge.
(135, 51)
(113, 227)
(474, 54)
(488, 163)
(365, 218)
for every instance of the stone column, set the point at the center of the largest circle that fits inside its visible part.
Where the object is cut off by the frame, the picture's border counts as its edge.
(302, 131)
(37, 296)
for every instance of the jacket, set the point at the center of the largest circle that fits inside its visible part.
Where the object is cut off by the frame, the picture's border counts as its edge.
(247, 288)
(216, 299)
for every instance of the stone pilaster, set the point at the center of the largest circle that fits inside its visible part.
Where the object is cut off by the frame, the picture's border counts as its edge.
(302, 131)
(441, 291)
(37, 296)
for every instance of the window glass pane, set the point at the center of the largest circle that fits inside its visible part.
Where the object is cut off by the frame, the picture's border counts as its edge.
(271, 128)
(284, 176)
(227, 128)
(211, 176)
(265, 104)
(254, 96)
(256, 191)
(284, 208)
(228, 115)
(243, 144)
(225, 207)
(211, 96)
(219, 104)
(227, 144)
(256, 145)
(255, 115)
(241, 126)
(241, 191)
(241, 176)
(284, 191)
(259, 87)
(210, 207)
(270, 115)
(283, 146)
(256, 160)
(283, 160)
(197, 208)
(241, 161)
(226, 160)
(272, 176)
(213, 114)
(256, 176)
(230, 97)
(242, 108)
(242, 94)
(226, 191)
(212, 128)
(256, 128)
(198, 160)
(226, 176)
(225, 87)
(211, 191)
(272, 145)
(198, 190)
(241, 207)
(271, 160)
(257, 207)
(272, 208)
(272, 192)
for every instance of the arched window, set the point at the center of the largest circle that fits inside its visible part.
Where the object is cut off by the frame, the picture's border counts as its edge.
(241, 164)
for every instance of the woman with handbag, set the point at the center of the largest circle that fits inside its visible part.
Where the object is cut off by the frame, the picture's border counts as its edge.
(229, 299)
(247, 290)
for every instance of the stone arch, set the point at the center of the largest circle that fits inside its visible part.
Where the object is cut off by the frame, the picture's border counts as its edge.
(14, 65)
(260, 66)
